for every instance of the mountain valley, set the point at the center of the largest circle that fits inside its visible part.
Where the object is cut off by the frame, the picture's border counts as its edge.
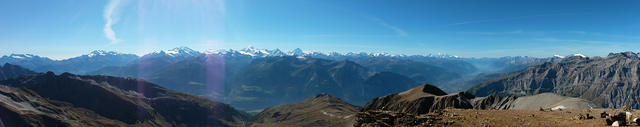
(259, 87)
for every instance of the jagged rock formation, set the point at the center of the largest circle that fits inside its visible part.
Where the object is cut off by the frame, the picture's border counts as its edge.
(493, 102)
(71, 100)
(608, 82)
(320, 110)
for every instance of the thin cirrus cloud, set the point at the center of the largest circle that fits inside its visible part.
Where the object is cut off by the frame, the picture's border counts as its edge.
(110, 19)
(397, 30)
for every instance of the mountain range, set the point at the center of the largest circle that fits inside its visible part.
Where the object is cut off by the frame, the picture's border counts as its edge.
(283, 80)
(81, 64)
(242, 78)
(282, 86)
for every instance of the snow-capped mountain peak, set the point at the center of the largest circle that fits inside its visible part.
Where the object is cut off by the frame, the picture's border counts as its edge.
(558, 56)
(296, 52)
(102, 53)
(181, 51)
(251, 51)
(256, 52)
(380, 54)
(176, 52)
(21, 56)
(442, 55)
(578, 55)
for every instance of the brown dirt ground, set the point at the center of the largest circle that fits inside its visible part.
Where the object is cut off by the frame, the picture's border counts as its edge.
(514, 118)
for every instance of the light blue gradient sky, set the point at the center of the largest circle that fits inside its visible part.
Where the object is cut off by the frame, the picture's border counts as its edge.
(66, 28)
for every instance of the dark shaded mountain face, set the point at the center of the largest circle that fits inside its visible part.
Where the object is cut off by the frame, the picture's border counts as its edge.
(81, 64)
(284, 80)
(71, 100)
(322, 110)
(610, 82)
(11, 71)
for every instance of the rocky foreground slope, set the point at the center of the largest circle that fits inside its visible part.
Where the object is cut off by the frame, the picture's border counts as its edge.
(610, 82)
(72, 100)
(427, 98)
(490, 118)
(426, 105)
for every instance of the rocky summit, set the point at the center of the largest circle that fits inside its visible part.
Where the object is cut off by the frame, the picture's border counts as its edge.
(420, 100)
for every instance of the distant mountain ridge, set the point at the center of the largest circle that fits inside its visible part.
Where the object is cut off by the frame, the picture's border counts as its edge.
(81, 64)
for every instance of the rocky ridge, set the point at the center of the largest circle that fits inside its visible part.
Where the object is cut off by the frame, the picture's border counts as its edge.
(71, 100)
(609, 82)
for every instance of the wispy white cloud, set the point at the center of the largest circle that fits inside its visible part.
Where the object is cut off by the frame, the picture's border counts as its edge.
(110, 20)
(397, 30)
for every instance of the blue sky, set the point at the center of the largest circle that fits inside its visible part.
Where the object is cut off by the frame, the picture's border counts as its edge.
(541, 28)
